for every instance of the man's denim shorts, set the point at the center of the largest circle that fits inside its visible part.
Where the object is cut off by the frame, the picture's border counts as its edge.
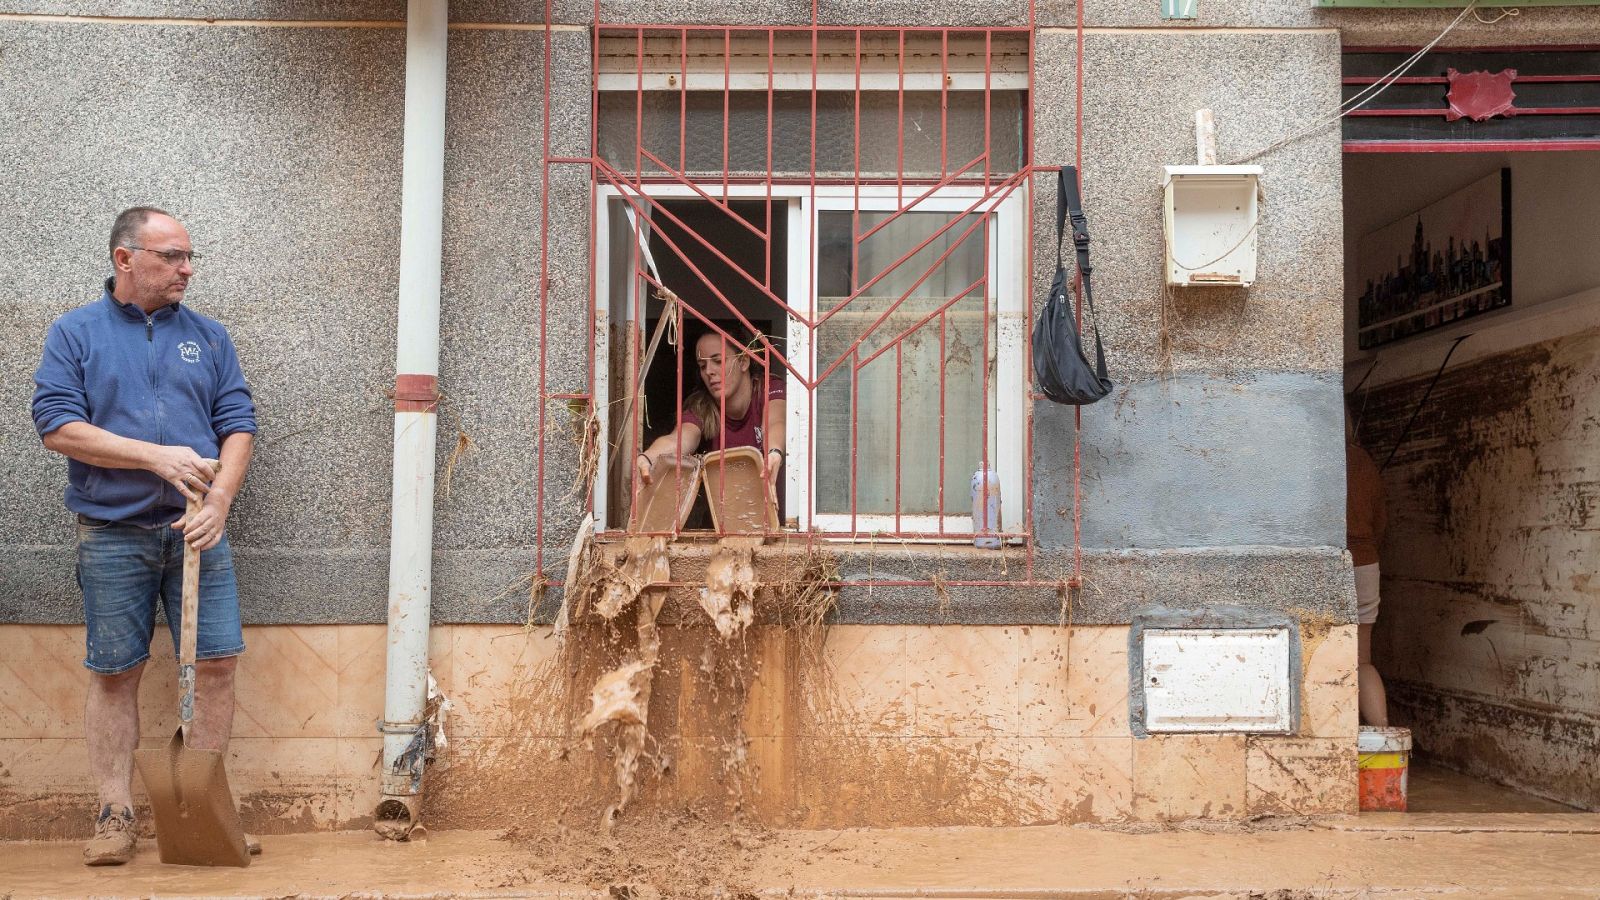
(125, 570)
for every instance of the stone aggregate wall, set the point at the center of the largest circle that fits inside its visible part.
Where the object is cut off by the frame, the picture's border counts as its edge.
(277, 139)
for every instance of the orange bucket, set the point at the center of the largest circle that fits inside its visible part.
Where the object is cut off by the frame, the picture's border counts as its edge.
(1385, 760)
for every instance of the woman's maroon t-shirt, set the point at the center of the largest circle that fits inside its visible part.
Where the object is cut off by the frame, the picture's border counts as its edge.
(744, 431)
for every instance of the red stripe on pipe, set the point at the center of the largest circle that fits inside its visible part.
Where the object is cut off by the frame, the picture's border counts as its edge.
(416, 393)
(416, 387)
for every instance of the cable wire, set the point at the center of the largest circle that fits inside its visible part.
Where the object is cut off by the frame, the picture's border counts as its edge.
(1421, 403)
(1369, 93)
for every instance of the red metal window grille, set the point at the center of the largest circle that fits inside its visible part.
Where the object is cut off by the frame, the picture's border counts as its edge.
(788, 151)
(846, 207)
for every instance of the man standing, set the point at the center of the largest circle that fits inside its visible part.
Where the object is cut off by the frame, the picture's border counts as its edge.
(137, 391)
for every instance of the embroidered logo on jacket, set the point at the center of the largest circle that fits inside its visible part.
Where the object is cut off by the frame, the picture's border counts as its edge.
(189, 351)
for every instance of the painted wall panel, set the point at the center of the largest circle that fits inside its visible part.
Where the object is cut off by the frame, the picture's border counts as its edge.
(1194, 461)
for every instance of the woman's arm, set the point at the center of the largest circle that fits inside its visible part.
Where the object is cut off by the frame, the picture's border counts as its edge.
(680, 441)
(774, 431)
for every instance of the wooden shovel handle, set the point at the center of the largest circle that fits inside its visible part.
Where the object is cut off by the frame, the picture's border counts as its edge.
(189, 615)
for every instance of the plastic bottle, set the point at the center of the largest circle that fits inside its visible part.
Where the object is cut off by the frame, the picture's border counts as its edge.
(986, 508)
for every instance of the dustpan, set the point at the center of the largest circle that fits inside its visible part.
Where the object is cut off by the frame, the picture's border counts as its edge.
(665, 503)
(741, 500)
(196, 821)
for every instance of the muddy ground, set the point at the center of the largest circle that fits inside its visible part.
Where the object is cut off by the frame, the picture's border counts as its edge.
(1553, 857)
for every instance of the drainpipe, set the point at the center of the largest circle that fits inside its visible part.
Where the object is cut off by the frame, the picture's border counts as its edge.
(416, 397)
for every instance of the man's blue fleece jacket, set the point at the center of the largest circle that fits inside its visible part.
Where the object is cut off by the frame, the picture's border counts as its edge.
(171, 378)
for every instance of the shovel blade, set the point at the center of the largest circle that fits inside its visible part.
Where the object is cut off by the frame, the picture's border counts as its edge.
(196, 821)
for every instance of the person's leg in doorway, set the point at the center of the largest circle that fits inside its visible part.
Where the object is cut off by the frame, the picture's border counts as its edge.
(1373, 700)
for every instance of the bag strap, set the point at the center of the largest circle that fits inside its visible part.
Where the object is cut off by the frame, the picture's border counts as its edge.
(1069, 205)
(1061, 208)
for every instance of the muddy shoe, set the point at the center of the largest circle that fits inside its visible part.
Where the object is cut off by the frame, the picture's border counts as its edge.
(252, 844)
(113, 840)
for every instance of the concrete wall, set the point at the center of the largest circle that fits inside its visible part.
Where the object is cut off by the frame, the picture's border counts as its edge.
(1488, 626)
(280, 149)
(315, 229)
(1217, 442)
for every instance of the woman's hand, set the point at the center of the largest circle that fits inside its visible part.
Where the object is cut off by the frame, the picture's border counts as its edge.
(773, 466)
(674, 445)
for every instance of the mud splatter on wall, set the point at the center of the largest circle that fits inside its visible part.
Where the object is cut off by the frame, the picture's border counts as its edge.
(1489, 633)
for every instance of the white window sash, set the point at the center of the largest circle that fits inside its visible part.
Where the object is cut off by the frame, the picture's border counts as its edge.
(1006, 428)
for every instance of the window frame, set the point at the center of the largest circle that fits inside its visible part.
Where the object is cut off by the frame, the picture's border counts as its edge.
(803, 204)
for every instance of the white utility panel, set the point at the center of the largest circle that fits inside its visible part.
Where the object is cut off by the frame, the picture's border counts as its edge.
(1210, 213)
(1217, 679)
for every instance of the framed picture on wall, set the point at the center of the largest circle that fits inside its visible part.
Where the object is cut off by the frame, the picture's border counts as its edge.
(1448, 261)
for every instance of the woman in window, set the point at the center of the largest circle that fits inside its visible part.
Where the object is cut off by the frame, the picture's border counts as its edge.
(734, 409)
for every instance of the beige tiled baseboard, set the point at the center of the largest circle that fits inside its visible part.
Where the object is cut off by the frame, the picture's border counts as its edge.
(885, 725)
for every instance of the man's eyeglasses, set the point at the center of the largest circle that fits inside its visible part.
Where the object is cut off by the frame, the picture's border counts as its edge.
(173, 258)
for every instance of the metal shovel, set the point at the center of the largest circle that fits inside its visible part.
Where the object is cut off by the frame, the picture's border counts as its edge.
(196, 821)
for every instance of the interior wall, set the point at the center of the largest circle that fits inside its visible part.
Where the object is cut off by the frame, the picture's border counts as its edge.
(1489, 632)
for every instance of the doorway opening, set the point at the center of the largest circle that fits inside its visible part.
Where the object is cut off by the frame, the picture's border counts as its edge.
(1472, 350)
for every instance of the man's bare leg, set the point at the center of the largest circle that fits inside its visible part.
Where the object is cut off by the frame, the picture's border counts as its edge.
(213, 711)
(1373, 700)
(213, 703)
(111, 727)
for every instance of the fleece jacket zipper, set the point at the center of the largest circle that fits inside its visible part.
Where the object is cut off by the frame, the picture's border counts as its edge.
(155, 382)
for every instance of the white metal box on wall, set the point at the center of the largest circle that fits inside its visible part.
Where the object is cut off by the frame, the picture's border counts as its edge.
(1217, 679)
(1210, 214)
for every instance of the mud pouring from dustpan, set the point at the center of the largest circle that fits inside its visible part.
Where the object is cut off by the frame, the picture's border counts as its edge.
(196, 821)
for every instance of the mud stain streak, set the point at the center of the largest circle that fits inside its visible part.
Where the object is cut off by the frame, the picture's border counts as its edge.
(729, 595)
(49, 817)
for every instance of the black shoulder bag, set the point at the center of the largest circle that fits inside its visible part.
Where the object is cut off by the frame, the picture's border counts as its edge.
(1059, 363)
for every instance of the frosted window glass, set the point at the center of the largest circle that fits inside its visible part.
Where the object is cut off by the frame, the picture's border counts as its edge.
(911, 383)
(685, 131)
